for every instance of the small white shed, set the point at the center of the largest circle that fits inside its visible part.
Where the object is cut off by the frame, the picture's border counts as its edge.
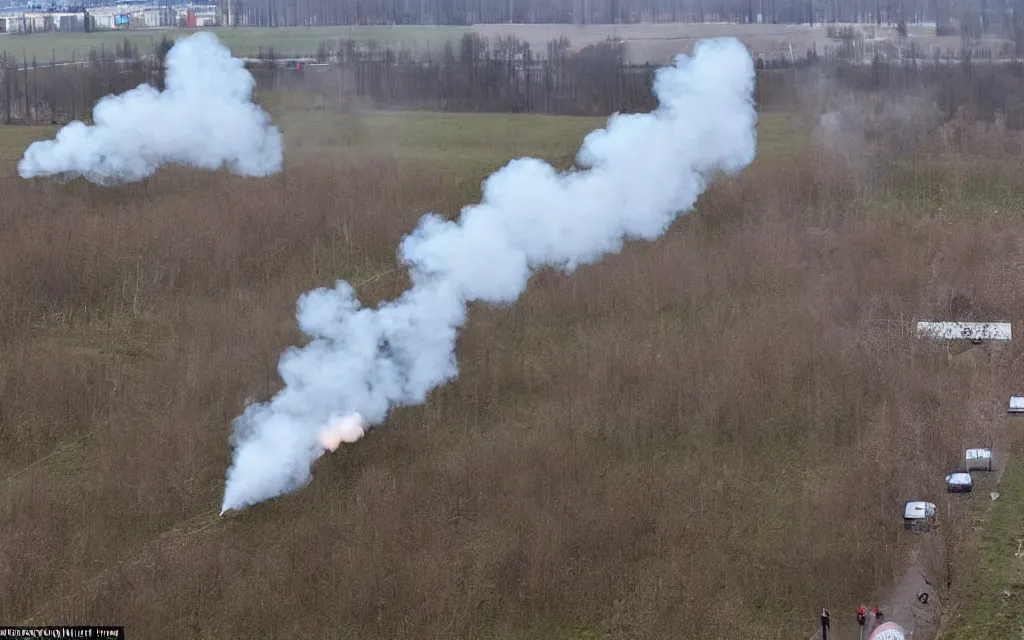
(1016, 404)
(978, 459)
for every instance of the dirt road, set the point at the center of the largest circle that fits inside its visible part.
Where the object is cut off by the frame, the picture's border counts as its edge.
(900, 604)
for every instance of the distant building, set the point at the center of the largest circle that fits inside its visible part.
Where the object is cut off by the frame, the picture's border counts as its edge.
(32, 22)
(140, 14)
(201, 16)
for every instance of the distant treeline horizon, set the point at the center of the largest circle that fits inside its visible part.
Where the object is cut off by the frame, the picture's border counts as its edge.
(1002, 18)
(505, 76)
(991, 16)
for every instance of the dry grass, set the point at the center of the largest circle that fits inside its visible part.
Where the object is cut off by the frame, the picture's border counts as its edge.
(707, 433)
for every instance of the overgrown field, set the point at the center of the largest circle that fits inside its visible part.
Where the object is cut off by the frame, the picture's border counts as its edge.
(713, 433)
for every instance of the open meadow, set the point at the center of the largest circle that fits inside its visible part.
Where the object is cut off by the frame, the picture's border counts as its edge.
(653, 43)
(707, 436)
(243, 41)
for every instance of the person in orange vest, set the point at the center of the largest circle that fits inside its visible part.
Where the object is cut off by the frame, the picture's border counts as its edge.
(862, 615)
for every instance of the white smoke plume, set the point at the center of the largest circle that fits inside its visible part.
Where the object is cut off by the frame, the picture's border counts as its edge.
(204, 118)
(347, 429)
(639, 173)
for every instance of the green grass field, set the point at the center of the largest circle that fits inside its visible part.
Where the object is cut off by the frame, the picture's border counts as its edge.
(465, 146)
(243, 41)
(654, 43)
(993, 602)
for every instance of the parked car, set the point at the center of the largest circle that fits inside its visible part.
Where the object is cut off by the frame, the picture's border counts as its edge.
(919, 516)
(959, 481)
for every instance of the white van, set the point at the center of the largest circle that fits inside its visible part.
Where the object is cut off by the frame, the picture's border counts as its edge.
(918, 516)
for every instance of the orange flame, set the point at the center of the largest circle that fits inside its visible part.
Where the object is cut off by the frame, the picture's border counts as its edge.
(347, 429)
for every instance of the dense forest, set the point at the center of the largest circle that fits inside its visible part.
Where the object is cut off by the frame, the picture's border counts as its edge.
(504, 75)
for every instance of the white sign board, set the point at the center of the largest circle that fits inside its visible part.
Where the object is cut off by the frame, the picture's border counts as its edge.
(964, 330)
(1016, 404)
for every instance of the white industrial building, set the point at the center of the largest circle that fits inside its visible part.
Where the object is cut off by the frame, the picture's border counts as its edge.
(111, 17)
(32, 21)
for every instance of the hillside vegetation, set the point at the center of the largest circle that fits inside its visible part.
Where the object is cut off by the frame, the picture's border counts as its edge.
(712, 432)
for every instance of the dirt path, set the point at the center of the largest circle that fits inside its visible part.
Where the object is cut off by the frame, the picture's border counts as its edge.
(904, 610)
(901, 605)
(900, 602)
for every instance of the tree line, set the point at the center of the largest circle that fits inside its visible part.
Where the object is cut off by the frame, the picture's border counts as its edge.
(505, 75)
(949, 16)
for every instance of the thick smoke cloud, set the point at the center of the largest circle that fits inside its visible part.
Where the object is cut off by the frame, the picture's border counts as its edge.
(639, 173)
(204, 118)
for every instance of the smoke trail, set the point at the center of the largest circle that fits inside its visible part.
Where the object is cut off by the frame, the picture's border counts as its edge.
(204, 118)
(644, 170)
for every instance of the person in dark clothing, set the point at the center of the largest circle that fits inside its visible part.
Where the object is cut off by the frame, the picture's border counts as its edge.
(862, 616)
(826, 623)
